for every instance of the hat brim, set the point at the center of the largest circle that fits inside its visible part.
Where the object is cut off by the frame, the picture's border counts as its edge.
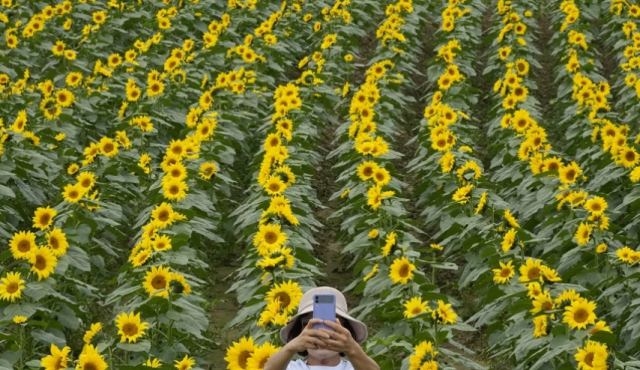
(359, 328)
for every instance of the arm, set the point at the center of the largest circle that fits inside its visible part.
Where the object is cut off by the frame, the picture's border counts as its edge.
(342, 341)
(308, 338)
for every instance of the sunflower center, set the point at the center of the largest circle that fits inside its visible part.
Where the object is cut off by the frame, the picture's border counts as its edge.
(505, 273)
(270, 237)
(416, 310)
(404, 271)
(12, 287)
(163, 215)
(41, 262)
(54, 243)
(580, 315)
(108, 147)
(159, 282)
(533, 273)
(284, 299)
(24, 246)
(588, 359)
(90, 366)
(85, 183)
(130, 329)
(243, 358)
(630, 156)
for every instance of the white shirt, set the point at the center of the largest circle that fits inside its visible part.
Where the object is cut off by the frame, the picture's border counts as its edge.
(301, 365)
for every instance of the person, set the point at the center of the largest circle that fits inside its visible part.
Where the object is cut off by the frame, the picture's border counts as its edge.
(322, 349)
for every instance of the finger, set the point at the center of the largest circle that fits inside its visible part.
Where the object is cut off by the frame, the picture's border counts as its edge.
(314, 343)
(335, 345)
(318, 333)
(336, 326)
(312, 322)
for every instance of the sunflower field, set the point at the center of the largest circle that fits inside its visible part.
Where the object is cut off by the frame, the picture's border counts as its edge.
(174, 174)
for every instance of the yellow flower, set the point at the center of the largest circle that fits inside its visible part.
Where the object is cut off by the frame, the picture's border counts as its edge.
(288, 293)
(43, 262)
(628, 255)
(58, 358)
(43, 217)
(583, 234)
(580, 313)
(531, 271)
(414, 307)
(90, 359)
(11, 287)
(19, 319)
(445, 313)
(72, 193)
(57, 242)
(239, 352)
(157, 280)
(22, 244)
(153, 363)
(130, 326)
(188, 362)
(260, 355)
(64, 98)
(540, 326)
(593, 356)
(108, 147)
(508, 240)
(596, 205)
(373, 233)
(504, 273)
(174, 189)
(401, 270)
(268, 238)
(93, 330)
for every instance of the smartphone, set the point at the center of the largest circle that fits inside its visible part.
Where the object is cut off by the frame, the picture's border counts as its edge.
(324, 308)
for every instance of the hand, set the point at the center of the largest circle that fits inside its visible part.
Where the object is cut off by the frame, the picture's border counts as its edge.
(309, 338)
(340, 339)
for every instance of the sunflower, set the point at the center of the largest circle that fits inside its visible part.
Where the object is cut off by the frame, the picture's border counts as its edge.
(239, 353)
(583, 234)
(86, 180)
(108, 147)
(508, 240)
(596, 205)
(90, 359)
(187, 363)
(174, 189)
(268, 238)
(94, 329)
(11, 286)
(176, 171)
(58, 358)
(593, 356)
(153, 363)
(155, 88)
(157, 280)
(375, 196)
(628, 255)
(43, 217)
(43, 262)
(274, 185)
(260, 355)
(401, 270)
(569, 173)
(22, 243)
(531, 271)
(504, 273)
(445, 313)
(64, 98)
(540, 326)
(162, 243)
(414, 307)
(163, 215)
(288, 293)
(580, 313)
(57, 242)
(419, 352)
(207, 170)
(130, 326)
(390, 241)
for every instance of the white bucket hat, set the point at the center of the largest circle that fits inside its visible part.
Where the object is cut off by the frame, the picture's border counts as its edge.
(306, 305)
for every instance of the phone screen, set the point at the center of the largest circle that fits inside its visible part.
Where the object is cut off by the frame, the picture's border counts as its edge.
(324, 308)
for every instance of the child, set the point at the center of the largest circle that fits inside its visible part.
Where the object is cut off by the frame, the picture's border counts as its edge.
(322, 349)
